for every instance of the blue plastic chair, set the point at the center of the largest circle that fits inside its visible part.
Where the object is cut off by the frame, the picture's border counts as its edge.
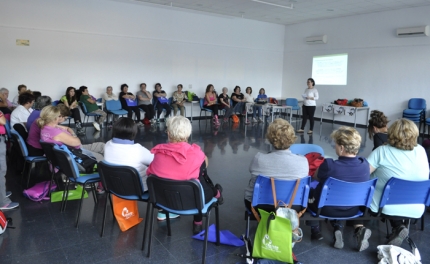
(24, 152)
(303, 149)
(68, 167)
(8, 129)
(294, 103)
(114, 107)
(398, 191)
(182, 198)
(202, 108)
(125, 183)
(341, 193)
(284, 189)
(416, 111)
(87, 115)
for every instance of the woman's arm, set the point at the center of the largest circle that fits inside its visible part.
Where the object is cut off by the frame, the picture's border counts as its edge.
(67, 139)
(371, 169)
(131, 96)
(66, 103)
(234, 98)
(316, 95)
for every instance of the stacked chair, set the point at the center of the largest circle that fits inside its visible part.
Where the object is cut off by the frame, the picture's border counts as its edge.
(416, 111)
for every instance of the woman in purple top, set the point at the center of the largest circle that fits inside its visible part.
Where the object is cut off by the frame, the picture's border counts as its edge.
(34, 147)
(350, 168)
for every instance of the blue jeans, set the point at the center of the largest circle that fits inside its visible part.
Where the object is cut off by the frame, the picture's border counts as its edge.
(257, 110)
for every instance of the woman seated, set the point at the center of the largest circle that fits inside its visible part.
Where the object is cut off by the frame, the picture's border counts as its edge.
(350, 168)
(281, 163)
(258, 108)
(69, 100)
(179, 160)
(224, 101)
(52, 132)
(23, 110)
(128, 103)
(122, 150)
(162, 103)
(238, 100)
(144, 100)
(378, 128)
(249, 101)
(179, 99)
(402, 158)
(211, 103)
(33, 140)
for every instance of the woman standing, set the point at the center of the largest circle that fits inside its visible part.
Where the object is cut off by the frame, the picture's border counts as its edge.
(309, 104)
(178, 101)
(224, 101)
(69, 100)
(211, 102)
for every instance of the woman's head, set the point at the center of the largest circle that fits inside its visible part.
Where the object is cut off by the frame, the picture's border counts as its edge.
(124, 128)
(248, 90)
(48, 115)
(237, 89)
(64, 113)
(225, 90)
(209, 88)
(348, 141)
(42, 101)
(70, 92)
(310, 82)
(22, 88)
(5, 92)
(124, 88)
(178, 129)
(158, 86)
(403, 134)
(179, 86)
(262, 91)
(377, 121)
(281, 134)
(143, 86)
(26, 98)
(109, 90)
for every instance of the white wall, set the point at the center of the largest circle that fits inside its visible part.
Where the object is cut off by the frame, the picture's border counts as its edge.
(99, 43)
(382, 69)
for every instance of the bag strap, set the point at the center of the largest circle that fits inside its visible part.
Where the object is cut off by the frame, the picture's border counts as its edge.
(293, 196)
(275, 201)
(254, 212)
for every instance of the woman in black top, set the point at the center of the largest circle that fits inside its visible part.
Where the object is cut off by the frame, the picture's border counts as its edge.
(239, 100)
(158, 93)
(125, 96)
(378, 128)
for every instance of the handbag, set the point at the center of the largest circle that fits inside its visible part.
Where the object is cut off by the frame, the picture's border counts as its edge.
(75, 194)
(273, 238)
(131, 102)
(126, 213)
(235, 119)
(163, 100)
(39, 191)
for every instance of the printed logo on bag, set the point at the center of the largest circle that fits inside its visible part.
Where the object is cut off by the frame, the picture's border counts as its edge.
(126, 213)
(351, 111)
(267, 244)
(340, 110)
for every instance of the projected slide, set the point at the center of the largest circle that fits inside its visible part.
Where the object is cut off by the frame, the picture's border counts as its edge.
(330, 69)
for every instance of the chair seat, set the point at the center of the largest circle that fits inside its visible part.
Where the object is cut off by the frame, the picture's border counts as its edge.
(359, 214)
(428, 120)
(192, 211)
(86, 178)
(35, 158)
(295, 108)
(118, 112)
(145, 196)
(412, 111)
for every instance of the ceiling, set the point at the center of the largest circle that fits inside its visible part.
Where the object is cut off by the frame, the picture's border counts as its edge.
(303, 10)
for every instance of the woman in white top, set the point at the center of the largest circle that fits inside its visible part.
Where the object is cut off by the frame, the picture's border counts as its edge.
(23, 111)
(309, 104)
(108, 95)
(249, 101)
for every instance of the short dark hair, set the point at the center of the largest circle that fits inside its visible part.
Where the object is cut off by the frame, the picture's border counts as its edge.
(83, 88)
(312, 80)
(237, 86)
(124, 128)
(21, 86)
(142, 84)
(64, 110)
(180, 85)
(155, 86)
(249, 87)
(37, 94)
(25, 98)
(123, 86)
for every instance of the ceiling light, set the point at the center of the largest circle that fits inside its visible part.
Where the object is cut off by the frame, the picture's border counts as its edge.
(272, 4)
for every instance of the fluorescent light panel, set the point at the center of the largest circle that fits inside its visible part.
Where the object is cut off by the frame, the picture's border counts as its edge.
(272, 4)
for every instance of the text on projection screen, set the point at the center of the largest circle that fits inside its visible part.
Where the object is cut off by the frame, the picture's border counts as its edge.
(330, 69)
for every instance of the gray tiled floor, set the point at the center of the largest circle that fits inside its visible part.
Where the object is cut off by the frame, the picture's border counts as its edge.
(44, 235)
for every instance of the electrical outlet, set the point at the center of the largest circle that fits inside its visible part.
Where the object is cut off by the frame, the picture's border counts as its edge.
(190, 86)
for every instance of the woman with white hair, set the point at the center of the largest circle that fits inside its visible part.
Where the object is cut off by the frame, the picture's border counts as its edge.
(224, 101)
(179, 160)
(5, 104)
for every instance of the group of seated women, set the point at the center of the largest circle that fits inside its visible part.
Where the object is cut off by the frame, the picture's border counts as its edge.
(400, 156)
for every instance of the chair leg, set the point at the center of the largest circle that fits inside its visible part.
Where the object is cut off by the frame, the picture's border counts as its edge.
(217, 226)
(65, 194)
(29, 173)
(205, 245)
(148, 208)
(104, 217)
(80, 205)
(151, 223)
(169, 230)
(422, 222)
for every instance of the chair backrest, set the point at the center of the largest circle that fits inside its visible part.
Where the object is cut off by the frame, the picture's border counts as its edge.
(202, 106)
(20, 141)
(83, 108)
(22, 130)
(66, 163)
(417, 103)
(120, 180)
(170, 100)
(55, 103)
(291, 102)
(176, 195)
(284, 191)
(341, 193)
(7, 127)
(48, 148)
(304, 149)
(398, 191)
(113, 105)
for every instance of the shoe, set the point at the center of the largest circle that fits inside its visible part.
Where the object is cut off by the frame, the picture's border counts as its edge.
(161, 216)
(362, 236)
(300, 131)
(260, 120)
(96, 135)
(338, 240)
(247, 122)
(80, 131)
(316, 236)
(310, 132)
(10, 206)
(197, 228)
(166, 119)
(221, 198)
(139, 124)
(8, 194)
(254, 120)
(100, 190)
(397, 236)
(96, 125)
(158, 120)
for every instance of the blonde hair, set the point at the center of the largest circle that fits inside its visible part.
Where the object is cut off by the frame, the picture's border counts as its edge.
(347, 137)
(47, 115)
(403, 134)
(281, 134)
(178, 129)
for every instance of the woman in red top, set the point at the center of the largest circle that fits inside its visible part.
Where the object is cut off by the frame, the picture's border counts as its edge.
(211, 102)
(179, 160)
